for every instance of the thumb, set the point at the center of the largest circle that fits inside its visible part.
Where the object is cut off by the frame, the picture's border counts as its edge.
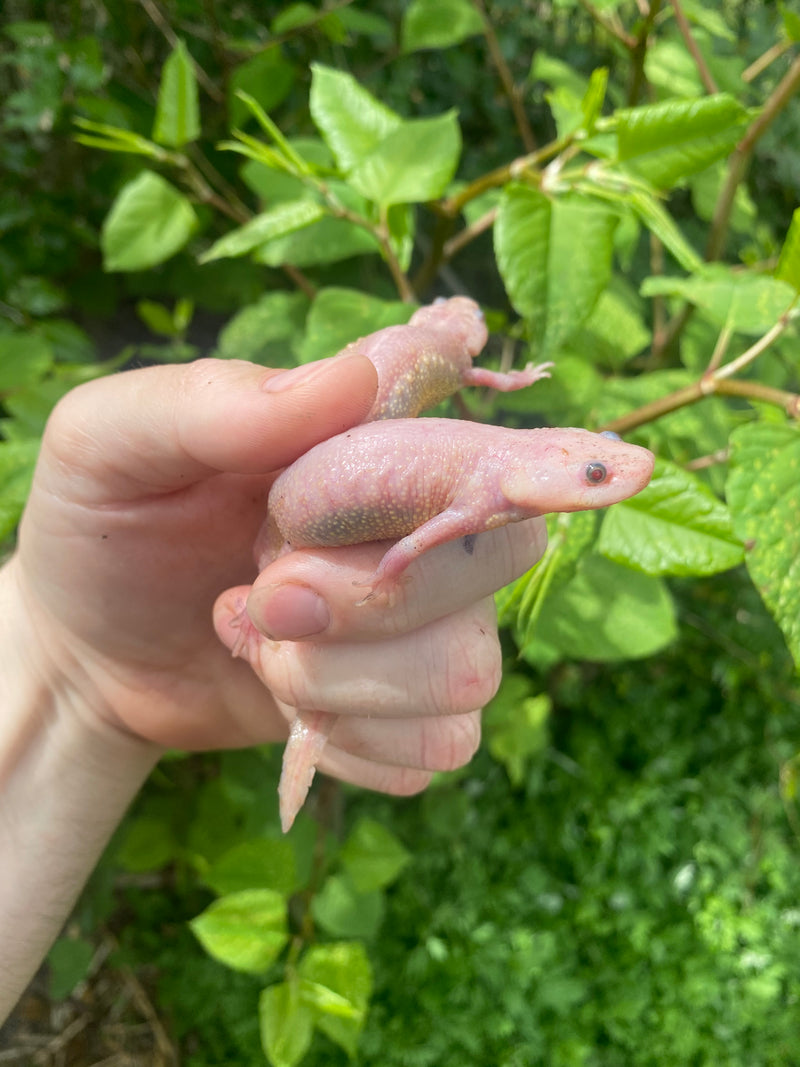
(161, 428)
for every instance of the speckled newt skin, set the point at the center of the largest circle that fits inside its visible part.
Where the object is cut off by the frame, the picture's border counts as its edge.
(423, 482)
(429, 481)
(428, 360)
(419, 365)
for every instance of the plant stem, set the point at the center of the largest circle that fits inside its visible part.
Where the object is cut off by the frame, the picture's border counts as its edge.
(380, 232)
(501, 175)
(511, 90)
(740, 157)
(469, 233)
(754, 351)
(702, 67)
(761, 64)
(172, 39)
(404, 287)
(610, 25)
(639, 53)
(717, 381)
(699, 390)
(737, 167)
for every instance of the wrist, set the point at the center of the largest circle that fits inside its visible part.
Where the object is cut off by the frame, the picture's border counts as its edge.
(66, 778)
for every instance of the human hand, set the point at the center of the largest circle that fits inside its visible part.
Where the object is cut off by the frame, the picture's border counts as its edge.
(149, 493)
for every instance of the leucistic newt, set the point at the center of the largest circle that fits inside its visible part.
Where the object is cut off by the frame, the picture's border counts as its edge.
(429, 359)
(419, 365)
(424, 482)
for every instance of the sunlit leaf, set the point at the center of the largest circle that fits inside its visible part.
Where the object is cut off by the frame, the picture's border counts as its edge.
(438, 24)
(178, 110)
(244, 930)
(352, 121)
(763, 490)
(674, 526)
(554, 255)
(148, 223)
(286, 1022)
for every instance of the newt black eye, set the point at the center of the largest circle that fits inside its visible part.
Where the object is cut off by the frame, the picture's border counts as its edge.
(596, 473)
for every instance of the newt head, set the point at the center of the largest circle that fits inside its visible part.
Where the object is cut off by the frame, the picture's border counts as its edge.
(574, 470)
(460, 319)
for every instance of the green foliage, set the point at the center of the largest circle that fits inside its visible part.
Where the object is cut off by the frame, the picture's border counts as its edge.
(764, 493)
(613, 881)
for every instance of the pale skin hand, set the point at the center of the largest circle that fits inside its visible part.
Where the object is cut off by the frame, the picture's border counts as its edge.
(121, 599)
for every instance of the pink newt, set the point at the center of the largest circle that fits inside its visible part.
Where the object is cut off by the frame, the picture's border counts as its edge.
(423, 483)
(419, 365)
(428, 360)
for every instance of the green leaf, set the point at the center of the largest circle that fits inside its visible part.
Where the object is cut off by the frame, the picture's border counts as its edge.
(267, 78)
(669, 66)
(273, 185)
(560, 75)
(148, 223)
(87, 72)
(286, 1022)
(17, 464)
(788, 269)
(712, 21)
(24, 360)
(255, 864)
(342, 969)
(667, 142)
(68, 962)
(763, 491)
(515, 724)
(372, 856)
(592, 103)
(326, 241)
(339, 316)
(368, 23)
(438, 24)
(658, 220)
(791, 22)
(293, 17)
(413, 163)
(148, 845)
(606, 613)
(538, 242)
(246, 930)
(351, 120)
(675, 526)
(329, 240)
(741, 301)
(178, 110)
(344, 912)
(706, 189)
(256, 331)
(116, 139)
(325, 1000)
(157, 318)
(36, 295)
(401, 220)
(276, 222)
(568, 538)
(617, 328)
